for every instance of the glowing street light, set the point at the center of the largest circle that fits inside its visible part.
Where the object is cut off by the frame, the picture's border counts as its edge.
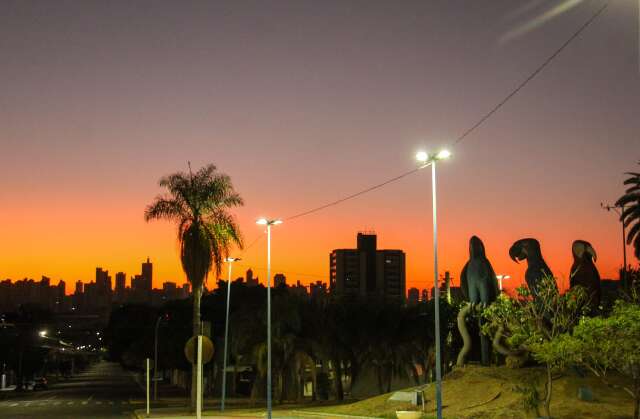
(268, 223)
(230, 261)
(42, 333)
(427, 159)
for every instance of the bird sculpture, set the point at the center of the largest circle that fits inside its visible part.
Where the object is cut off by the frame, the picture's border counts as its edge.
(537, 268)
(480, 287)
(584, 272)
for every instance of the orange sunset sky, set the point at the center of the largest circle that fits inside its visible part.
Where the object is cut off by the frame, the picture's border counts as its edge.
(302, 105)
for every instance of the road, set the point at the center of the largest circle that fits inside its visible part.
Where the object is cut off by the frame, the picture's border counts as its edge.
(104, 390)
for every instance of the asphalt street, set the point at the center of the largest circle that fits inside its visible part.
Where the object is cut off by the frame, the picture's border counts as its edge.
(104, 390)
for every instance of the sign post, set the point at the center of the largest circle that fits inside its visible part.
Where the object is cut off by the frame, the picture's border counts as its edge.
(199, 380)
(148, 368)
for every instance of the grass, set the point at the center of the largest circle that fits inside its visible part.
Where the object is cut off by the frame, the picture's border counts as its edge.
(477, 392)
(490, 393)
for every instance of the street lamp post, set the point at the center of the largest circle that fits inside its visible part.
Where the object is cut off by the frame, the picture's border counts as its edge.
(426, 160)
(500, 278)
(226, 332)
(155, 357)
(619, 209)
(268, 223)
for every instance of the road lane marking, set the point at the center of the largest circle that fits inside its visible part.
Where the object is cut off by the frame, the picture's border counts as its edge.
(111, 403)
(69, 403)
(14, 404)
(57, 403)
(98, 402)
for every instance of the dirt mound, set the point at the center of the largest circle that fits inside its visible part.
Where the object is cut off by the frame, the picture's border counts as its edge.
(493, 393)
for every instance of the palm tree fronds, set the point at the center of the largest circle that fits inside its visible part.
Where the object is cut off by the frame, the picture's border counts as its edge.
(166, 208)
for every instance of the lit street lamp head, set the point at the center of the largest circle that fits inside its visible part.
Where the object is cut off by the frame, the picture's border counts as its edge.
(426, 158)
(232, 259)
(443, 154)
(42, 333)
(422, 156)
(264, 222)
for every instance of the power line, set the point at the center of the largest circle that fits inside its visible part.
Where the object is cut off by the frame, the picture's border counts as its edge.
(256, 240)
(346, 198)
(466, 133)
(532, 75)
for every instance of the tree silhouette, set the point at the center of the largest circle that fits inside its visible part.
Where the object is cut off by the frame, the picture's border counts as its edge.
(630, 202)
(199, 203)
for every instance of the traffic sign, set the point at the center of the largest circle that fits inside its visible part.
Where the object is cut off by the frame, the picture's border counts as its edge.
(191, 347)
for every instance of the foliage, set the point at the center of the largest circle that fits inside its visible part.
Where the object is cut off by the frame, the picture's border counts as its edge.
(536, 325)
(343, 336)
(606, 344)
(199, 203)
(630, 201)
(530, 393)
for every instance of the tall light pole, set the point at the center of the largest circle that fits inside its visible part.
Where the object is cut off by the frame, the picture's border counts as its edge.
(619, 209)
(226, 332)
(268, 223)
(427, 159)
(155, 359)
(500, 278)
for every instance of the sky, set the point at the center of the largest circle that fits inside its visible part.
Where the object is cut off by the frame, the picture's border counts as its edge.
(305, 102)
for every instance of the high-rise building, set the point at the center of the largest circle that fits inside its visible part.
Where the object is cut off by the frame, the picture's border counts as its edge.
(367, 272)
(121, 286)
(147, 274)
(279, 280)
(103, 290)
(318, 290)
(103, 280)
(390, 274)
(251, 281)
(62, 288)
(185, 290)
(170, 290)
(414, 296)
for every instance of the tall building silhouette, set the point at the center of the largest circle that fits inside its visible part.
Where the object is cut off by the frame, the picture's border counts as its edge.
(147, 274)
(279, 280)
(367, 272)
(121, 286)
(251, 281)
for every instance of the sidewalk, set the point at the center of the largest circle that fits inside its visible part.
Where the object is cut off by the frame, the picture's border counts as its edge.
(257, 413)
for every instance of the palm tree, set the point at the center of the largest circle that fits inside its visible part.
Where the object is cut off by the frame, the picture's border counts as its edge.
(630, 202)
(198, 203)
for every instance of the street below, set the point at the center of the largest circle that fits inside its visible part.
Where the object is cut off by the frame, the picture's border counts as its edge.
(104, 390)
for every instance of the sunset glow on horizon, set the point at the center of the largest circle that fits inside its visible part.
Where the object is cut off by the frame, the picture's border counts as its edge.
(96, 111)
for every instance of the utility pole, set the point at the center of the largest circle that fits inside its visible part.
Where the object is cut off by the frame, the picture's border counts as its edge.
(619, 209)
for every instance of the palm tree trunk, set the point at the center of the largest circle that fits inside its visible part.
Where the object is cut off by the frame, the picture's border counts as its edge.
(337, 372)
(314, 382)
(234, 384)
(197, 294)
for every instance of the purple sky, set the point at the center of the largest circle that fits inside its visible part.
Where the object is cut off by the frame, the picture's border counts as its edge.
(303, 102)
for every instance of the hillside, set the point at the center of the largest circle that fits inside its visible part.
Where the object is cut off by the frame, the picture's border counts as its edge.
(489, 392)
